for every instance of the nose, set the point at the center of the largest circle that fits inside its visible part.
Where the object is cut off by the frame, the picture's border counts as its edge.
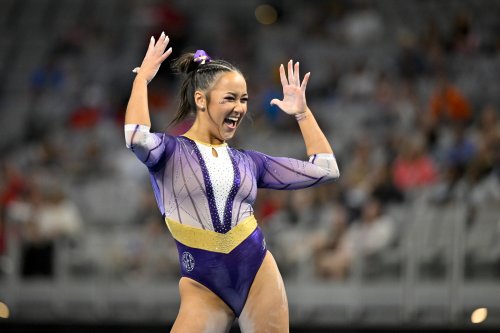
(241, 107)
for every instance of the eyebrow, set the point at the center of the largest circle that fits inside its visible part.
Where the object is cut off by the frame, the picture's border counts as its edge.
(236, 94)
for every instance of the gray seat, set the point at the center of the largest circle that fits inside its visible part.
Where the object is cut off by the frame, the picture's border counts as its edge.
(482, 246)
(435, 228)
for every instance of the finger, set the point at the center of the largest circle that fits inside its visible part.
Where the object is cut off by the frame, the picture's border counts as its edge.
(150, 47)
(290, 72)
(165, 41)
(159, 43)
(136, 70)
(304, 82)
(166, 54)
(296, 77)
(284, 81)
(164, 44)
(276, 102)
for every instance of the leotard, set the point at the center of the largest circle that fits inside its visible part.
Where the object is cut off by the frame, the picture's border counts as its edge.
(207, 202)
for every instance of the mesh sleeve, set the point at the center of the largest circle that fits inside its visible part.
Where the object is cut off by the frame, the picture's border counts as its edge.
(148, 147)
(285, 173)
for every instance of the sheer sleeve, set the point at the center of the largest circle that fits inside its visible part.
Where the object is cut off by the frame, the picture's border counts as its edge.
(150, 148)
(285, 173)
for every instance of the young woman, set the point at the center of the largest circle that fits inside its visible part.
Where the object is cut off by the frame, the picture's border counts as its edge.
(205, 189)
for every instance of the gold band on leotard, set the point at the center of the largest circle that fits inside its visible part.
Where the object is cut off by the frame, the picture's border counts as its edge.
(210, 240)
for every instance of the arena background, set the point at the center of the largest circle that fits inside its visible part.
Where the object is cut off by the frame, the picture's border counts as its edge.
(408, 93)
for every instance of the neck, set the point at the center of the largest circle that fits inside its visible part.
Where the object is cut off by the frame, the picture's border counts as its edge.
(201, 134)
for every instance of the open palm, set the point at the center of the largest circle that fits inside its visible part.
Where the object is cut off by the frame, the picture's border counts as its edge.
(154, 57)
(294, 92)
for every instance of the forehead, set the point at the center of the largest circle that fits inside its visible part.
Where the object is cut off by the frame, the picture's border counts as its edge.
(231, 82)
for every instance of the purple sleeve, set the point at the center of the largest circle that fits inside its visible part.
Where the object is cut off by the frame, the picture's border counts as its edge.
(152, 149)
(285, 173)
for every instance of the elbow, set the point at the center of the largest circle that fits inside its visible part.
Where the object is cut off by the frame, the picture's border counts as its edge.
(135, 135)
(329, 166)
(333, 170)
(129, 143)
(132, 145)
(334, 174)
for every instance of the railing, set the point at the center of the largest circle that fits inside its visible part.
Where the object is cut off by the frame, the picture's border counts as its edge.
(420, 281)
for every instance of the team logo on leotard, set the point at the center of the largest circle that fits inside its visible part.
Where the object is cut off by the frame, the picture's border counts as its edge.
(187, 261)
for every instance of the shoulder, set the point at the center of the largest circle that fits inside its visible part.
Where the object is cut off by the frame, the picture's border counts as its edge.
(251, 158)
(250, 155)
(167, 145)
(168, 140)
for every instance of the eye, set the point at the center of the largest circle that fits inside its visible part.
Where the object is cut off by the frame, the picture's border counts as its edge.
(229, 98)
(244, 100)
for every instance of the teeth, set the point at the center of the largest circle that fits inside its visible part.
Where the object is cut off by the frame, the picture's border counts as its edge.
(233, 118)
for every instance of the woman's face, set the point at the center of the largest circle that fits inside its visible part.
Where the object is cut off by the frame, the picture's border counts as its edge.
(227, 106)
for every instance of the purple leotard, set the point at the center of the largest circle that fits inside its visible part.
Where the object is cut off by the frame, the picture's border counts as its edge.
(186, 192)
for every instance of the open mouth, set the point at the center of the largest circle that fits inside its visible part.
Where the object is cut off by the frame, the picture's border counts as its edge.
(231, 121)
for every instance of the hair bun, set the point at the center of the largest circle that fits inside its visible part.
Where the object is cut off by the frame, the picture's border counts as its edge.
(201, 57)
(185, 63)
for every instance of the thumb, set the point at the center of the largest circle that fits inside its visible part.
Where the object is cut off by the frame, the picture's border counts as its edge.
(276, 102)
(136, 70)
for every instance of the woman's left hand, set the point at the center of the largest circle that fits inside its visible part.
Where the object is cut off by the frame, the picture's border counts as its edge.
(294, 92)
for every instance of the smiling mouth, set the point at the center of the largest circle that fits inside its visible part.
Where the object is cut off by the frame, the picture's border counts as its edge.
(231, 122)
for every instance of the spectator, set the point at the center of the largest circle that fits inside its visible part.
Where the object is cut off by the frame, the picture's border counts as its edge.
(410, 61)
(58, 216)
(433, 44)
(383, 187)
(413, 168)
(365, 237)
(46, 220)
(463, 39)
(487, 190)
(461, 151)
(488, 123)
(448, 104)
(12, 186)
(357, 175)
(358, 84)
(363, 26)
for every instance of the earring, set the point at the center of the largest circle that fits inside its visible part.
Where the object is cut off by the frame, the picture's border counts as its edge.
(202, 108)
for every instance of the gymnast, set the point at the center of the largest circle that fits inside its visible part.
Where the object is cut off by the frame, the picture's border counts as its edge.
(205, 189)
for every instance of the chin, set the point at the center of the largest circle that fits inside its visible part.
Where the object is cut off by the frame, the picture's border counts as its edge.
(228, 136)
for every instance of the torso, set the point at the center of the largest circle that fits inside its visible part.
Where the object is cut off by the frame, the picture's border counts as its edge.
(201, 190)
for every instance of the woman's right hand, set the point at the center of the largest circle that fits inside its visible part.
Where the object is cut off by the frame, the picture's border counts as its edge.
(155, 55)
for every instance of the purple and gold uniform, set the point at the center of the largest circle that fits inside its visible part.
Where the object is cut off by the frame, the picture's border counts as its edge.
(207, 201)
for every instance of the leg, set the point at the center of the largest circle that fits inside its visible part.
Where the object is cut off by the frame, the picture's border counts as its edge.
(266, 309)
(201, 311)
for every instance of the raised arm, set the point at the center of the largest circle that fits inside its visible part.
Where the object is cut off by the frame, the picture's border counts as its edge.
(148, 147)
(294, 103)
(137, 109)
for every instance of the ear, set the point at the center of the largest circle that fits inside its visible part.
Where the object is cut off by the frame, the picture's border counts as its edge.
(200, 100)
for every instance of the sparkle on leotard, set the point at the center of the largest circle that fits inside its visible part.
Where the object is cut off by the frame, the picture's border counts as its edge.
(191, 191)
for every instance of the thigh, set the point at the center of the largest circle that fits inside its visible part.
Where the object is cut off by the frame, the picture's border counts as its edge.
(201, 311)
(266, 309)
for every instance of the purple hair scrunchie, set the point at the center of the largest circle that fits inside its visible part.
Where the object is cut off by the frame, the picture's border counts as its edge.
(201, 57)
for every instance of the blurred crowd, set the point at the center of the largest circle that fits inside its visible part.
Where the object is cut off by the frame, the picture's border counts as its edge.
(409, 110)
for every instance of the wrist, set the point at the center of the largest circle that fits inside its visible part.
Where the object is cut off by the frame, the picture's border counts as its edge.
(141, 80)
(302, 115)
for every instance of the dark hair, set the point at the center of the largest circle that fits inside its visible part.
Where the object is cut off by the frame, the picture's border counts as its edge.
(198, 76)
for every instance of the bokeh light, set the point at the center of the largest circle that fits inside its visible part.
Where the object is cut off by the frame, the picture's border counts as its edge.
(4, 310)
(479, 315)
(266, 14)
